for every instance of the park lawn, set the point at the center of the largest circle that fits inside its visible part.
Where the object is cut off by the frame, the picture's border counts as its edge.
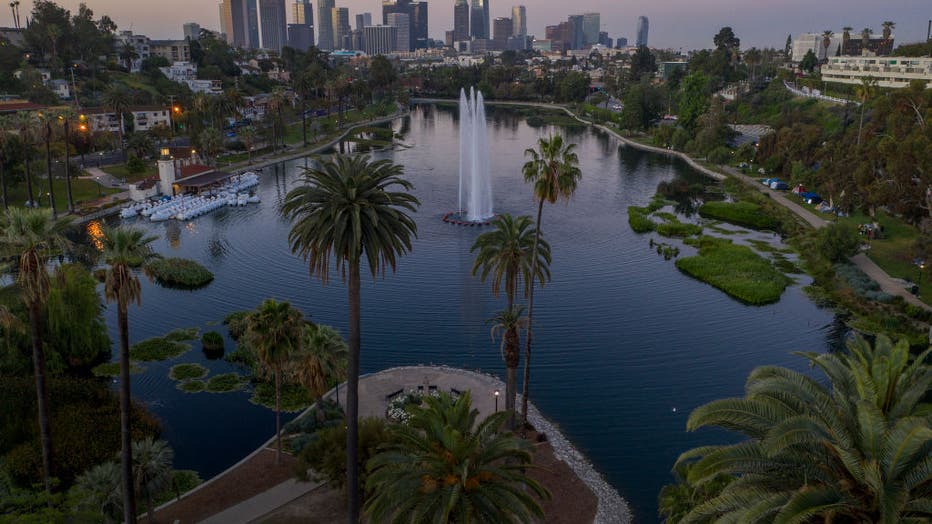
(121, 171)
(83, 190)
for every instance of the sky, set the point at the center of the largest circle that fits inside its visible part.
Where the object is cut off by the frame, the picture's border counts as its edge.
(674, 24)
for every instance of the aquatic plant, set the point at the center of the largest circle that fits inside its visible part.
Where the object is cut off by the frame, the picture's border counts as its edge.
(736, 270)
(178, 272)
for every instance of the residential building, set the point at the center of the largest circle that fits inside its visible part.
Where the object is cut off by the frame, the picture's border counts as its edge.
(185, 72)
(171, 50)
(419, 25)
(402, 23)
(501, 31)
(339, 20)
(273, 26)
(363, 20)
(478, 19)
(518, 21)
(855, 46)
(591, 23)
(665, 69)
(192, 30)
(61, 88)
(642, 29)
(461, 20)
(140, 45)
(325, 25)
(144, 118)
(888, 71)
(815, 42)
(380, 39)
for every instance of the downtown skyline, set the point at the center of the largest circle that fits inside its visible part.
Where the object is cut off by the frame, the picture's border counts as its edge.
(675, 24)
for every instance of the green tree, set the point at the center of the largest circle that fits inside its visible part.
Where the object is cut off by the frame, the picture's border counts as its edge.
(443, 467)
(641, 107)
(809, 62)
(123, 250)
(503, 255)
(320, 361)
(64, 118)
(274, 333)
(865, 92)
(347, 207)
(117, 100)
(211, 142)
(553, 170)
(31, 237)
(76, 333)
(381, 75)
(248, 135)
(152, 470)
(643, 62)
(694, 99)
(27, 125)
(888, 30)
(856, 450)
(508, 324)
(839, 241)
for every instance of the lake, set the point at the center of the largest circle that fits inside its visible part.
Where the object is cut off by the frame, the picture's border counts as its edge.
(625, 345)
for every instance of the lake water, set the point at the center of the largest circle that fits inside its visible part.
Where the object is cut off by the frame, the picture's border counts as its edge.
(626, 345)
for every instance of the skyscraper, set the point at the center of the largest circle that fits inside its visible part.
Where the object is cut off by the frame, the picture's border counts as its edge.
(518, 21)
(479, 19)
(192, 30)
(340, 23)
(300, 36)
(419, 25)
(461, 20)
(363, 20)
(379, 39)
(591, 22)
(273, 27)
(643, 26)
(501, 30)
(400, 7)
(239, 22)
(576, 36)
(402, 24)
(324, 25)
(302, 12)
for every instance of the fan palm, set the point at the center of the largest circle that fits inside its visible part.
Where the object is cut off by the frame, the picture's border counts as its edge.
(827, 40)
(321, 360)
(248, 135)
(507, 324)
(152, 469)
(855, 451)
(26, 124)
(99, 488)
(845, 37)
(274, 333)
(123, 250)
(504, 255)
(443, 467)
(31, 237)
(277, 101)
(866, 38)
(303, 85)
(348, 208)
(553, 169)
(117, 99)
(888, 27)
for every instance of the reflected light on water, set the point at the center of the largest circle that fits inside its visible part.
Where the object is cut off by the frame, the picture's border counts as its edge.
(96, 233)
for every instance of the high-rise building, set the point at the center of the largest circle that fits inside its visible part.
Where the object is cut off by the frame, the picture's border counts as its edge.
(419, 25)
(643, 26)
(379, 39)
(518, 20)
(605, 40)
(479, 19)
(340, 22)
(300, 36)
(273, 27)
(363, 20)
(576, 37)
(461, 20)
(192, 30)
(404, 7)
(234, 23)
(501, 30)
(302, 12)
(621, 42)
(591, 23)
(402, 24)
(325, 25)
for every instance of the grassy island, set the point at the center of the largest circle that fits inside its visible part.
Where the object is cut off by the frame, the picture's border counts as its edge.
(179, 272)
(745, 214)
(736, 270)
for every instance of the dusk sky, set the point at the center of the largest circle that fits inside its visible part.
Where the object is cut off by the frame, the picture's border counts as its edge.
(687, 24)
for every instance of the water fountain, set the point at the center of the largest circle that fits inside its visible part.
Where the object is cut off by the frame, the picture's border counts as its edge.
(474, 202)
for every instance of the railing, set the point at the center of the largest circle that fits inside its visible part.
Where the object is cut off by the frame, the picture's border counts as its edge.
(820, 96)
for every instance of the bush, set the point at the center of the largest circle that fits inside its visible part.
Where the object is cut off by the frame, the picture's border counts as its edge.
(736, 270)
(212, 343)
(839, 241)
(187, 372)
(236, 323)
(309, 422)
(192, 386)
(743, 214)
(720, 155)
(178, 272)
(675, 228)
(135, 164)
(862, 284)
(326, 454)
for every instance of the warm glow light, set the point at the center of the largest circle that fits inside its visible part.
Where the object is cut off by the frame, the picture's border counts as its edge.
(96, 233)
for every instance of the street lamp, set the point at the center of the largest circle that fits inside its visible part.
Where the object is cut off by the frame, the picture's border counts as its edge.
(496, 400)
(921, 264)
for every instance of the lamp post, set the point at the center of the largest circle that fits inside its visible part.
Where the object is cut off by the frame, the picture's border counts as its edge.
(497, 393)
(921, 265)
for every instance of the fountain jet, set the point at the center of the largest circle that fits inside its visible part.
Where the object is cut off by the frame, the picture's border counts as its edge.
(475, 185)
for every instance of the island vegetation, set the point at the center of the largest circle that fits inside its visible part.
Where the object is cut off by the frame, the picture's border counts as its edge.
(179, 272)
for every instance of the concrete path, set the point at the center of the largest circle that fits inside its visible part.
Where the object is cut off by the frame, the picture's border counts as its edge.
(262, 504)
(103, 178)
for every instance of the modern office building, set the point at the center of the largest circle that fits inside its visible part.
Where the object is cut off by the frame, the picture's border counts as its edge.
(239, 21)
(460, 20)
(339, 17)
(379, 39)
(402, 24)
(405, 7)
(419, 25)
(363, 20)
(518, 21)
(479, 19)
(621, 42)
(643, 27)
(577, 38)
(591, 24)
(325, 25)
(604, 40)
(192, 30)
(273, 26)
(302, 12)
(501, 31)
(300, 36)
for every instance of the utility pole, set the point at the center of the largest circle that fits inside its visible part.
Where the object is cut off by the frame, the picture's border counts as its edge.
(171, 114)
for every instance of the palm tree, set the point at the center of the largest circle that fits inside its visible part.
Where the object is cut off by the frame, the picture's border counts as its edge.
(866, 38)
(827, 40)
(274, 333)
(99, 488)
(152, 469)
(864, 92)
(123, 250)
(277, 102)
(554, 171)
(320, 360)
(845, 37)
(117, 99)
(888, 27)
(443, 467)
(26, 124)
(5, 126)
(31, 237)
(508, 324)
(248, 135)
(347, 207)
(504, 254)
(46, 120)
(211, 142)
(65, 117)
(303, 84)
(128, 54)
(854, 451)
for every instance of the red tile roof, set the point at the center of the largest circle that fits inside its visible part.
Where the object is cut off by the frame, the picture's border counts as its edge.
(194, 169)
(9, 107)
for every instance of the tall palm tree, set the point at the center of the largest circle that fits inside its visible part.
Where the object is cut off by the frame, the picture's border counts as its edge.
(888, 27)
(31, 237)
(303, 85)
(508, 324)
(827, 40)
(152, 469)
(65, 117)
(866, 38)
(348, 207)
(117, 100)
(211, 142)
(845, 38)
(856, 450)
(46, 119)
(320, 360)
(26, 124)
(128, 55)
(123, 250)
(864, 92)
(276, 106)
(248, 135)
(443, 467)
(504, 255)
(5, 127)
(274, 332)
(553, 169)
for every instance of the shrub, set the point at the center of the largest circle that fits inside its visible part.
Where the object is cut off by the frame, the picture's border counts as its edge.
(212, 343)
(838, 241)
(178, 272)
(326, 454)
(736, 270)
(236, 323)
(294, 396)
(675, 228)
(720, 155)
(743, 214)
(227, 383)
(862, 284)
(242, 355)
(309, 423)
(639, 220)
(187, 371)
(135, 164)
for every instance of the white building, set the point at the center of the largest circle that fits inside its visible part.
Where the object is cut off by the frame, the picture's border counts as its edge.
(186, 73)
(61, 88)
(140, 43)
(144, 119)
(889, 71)
(815, 42)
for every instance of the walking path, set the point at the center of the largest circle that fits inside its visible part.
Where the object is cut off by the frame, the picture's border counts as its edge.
(104, 178)
(264, 503)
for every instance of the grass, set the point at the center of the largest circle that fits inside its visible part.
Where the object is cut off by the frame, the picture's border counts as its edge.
(187, 372)
(112, 369)
(675, 228)
(83, 191)
(192, 386)
(226, 383)
(294, 397)
(179, 273)
(171, 345)
(122, 172)
(736, 270)
(639, 220)
(745, 214)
